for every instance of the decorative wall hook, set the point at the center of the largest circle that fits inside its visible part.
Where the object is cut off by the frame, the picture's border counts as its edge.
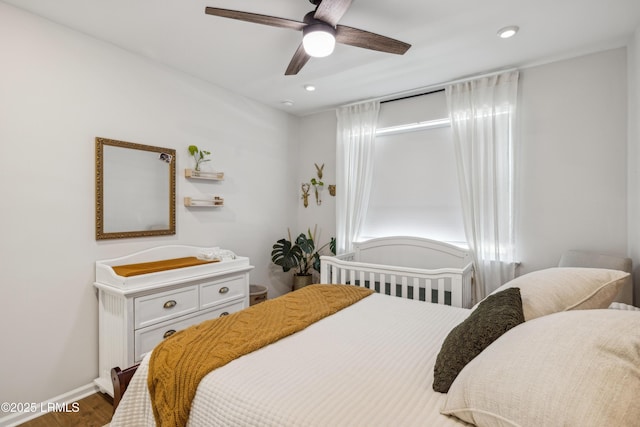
(305, 193)
(317, 184)
(332, 189)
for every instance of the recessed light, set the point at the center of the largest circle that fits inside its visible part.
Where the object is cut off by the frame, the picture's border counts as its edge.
(507, 32)
(288, 103)
(309, 88)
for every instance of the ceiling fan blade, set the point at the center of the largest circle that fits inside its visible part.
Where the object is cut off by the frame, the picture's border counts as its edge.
(330, 11)
(297, 62)
(367, 40)
(255, 18)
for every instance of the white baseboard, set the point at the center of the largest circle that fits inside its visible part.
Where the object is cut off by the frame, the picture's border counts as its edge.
(12, 420)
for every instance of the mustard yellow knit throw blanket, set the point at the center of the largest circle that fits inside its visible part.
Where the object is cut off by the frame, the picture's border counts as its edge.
(179, 363)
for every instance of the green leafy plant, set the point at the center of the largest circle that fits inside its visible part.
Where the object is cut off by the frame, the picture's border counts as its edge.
(300, 255)
(198, 155)
(317, 185)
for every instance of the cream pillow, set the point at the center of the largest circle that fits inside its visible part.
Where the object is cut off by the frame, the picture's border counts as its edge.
(576, 368)
(566, 288)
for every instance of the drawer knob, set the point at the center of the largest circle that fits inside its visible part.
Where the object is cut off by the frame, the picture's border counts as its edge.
(225, 313)
(170, 304)
(224, 290)
(169, 333)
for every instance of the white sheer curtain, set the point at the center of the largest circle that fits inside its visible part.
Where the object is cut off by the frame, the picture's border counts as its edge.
(482, 115)
(354, 169)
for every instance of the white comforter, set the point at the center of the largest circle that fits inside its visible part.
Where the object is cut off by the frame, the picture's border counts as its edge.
(370, 364)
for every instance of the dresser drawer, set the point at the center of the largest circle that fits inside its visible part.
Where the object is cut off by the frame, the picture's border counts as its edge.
(146, 339)
(152, 309)
(222, 290)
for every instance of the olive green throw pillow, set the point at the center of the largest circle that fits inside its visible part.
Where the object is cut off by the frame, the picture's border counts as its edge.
(493, 317)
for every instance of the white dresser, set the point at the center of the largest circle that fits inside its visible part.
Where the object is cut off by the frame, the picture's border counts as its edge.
(138, 311)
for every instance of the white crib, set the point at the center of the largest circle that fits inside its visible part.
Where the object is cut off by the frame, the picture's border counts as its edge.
(407, 267)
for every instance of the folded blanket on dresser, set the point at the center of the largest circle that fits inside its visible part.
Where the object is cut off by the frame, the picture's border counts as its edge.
(179, 363)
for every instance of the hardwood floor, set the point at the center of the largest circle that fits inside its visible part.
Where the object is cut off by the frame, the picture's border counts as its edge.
(93, 411)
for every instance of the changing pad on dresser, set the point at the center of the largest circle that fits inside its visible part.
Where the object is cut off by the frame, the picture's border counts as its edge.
(166, 264)
(129, 270)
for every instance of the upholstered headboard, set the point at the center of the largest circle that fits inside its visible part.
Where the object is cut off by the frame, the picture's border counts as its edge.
(574, 258)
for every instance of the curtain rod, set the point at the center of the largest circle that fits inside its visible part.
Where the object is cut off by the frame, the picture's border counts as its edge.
(427, 89)
(412, 96)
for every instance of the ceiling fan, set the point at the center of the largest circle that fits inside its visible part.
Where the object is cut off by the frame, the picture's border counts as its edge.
(320, 31)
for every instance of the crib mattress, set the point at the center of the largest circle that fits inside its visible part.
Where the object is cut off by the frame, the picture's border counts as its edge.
(369, 364)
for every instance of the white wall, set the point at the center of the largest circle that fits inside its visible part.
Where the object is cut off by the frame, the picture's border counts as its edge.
(317, 146)
(634, 158)
(59, 90)
(571, 190)
(572, 172)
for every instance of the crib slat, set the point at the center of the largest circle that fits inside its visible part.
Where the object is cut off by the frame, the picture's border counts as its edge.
(404, 288)
(392, 286)
(324, 269)
(415, 289)
(456, 291)
(440, 291)
(427, 290)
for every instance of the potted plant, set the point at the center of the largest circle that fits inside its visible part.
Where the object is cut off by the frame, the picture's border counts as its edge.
(199, 155)
(317, 186)
(300, 255)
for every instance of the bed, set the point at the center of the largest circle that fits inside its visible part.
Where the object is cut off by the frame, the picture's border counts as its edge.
(408, 267)
(376, 362)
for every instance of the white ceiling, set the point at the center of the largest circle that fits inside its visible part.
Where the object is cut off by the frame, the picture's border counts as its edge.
(451, 39)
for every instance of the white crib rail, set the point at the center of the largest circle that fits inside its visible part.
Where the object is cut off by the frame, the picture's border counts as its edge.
(412, 283)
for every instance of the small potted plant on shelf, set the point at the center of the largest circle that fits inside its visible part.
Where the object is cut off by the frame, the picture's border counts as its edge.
(199, 155)
(301, 256)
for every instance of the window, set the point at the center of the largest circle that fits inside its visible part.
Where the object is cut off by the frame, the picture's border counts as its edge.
(415, 183)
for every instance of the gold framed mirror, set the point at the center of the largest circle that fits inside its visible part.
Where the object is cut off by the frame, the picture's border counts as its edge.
(135, 190)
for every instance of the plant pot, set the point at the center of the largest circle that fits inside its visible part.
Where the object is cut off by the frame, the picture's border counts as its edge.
(301, 280)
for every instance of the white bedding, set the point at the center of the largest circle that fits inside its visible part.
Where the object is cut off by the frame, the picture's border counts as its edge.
(369, 364)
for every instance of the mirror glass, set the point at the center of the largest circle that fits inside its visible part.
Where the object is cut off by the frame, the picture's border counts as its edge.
(135, 190)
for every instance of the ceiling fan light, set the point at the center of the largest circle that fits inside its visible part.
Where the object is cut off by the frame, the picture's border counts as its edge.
(318, 40)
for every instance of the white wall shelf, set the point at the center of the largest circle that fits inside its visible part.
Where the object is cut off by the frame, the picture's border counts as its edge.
(213, 176)
(214, 201)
